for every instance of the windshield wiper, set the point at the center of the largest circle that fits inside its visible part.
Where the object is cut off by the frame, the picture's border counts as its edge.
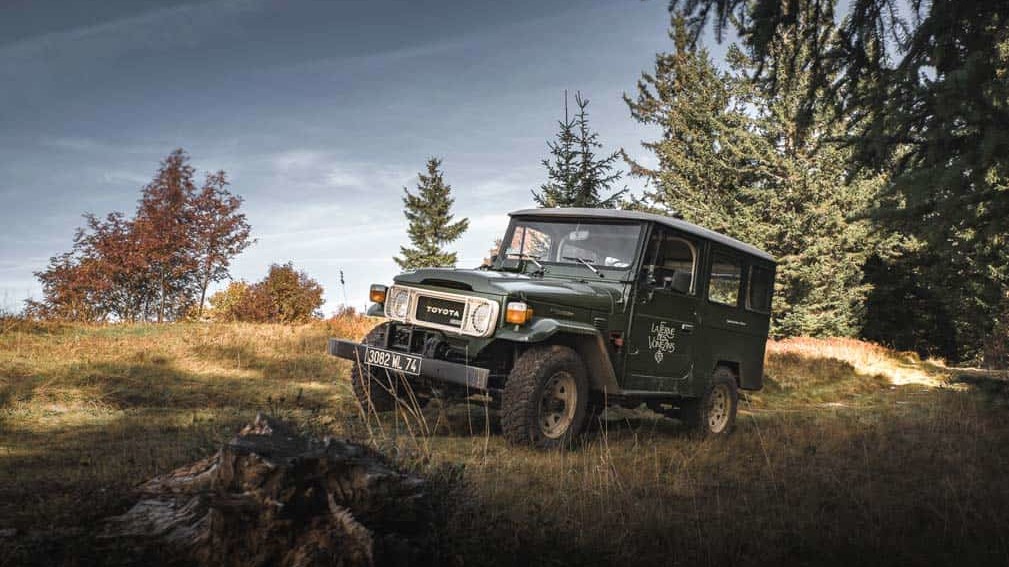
(535, 259)
(585, 263)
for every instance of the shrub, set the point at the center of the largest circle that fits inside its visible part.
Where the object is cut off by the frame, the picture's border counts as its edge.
(285, 295)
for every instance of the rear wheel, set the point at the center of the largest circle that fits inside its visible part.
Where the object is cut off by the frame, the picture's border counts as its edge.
(714, 414)
(545, 399)
(375, 388)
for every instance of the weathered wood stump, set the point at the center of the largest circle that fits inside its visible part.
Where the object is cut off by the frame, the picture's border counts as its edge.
(273, 497)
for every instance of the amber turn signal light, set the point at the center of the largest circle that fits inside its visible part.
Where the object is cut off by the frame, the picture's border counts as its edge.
(377, 293)
(518, 313)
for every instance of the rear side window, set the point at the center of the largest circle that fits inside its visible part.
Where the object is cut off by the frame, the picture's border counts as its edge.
(760, 290)
(726, 273)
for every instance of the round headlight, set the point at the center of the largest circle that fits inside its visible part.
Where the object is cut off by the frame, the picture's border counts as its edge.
(399, 302)
(480, 318)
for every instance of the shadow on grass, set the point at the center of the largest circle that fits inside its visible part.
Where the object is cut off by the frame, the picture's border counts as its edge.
(155, 382)
(921, 487)
(303, 366)
(911, 480)
(58, 482)
(991, 384)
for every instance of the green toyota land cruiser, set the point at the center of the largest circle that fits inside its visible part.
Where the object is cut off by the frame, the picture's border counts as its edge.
(580, 309)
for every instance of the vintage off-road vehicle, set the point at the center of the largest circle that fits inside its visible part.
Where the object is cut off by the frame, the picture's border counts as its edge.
(581, 308)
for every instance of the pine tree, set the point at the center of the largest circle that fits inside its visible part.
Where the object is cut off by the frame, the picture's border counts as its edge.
(576, 176)
(706, 152)
(562, 166)
(733, 157)
(922, 88)
(596, 175)
(430, 222)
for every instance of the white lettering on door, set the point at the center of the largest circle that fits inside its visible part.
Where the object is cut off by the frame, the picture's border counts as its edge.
(662, 340)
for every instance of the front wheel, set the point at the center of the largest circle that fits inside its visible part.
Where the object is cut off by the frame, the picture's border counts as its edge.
(714, 414)
(546, 398)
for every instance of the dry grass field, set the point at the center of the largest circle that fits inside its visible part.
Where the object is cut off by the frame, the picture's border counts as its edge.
(852, 454)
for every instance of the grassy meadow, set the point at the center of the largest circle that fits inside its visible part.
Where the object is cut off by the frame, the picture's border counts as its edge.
(852, 454)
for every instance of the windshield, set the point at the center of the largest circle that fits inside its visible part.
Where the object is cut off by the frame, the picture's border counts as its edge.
(604, 246)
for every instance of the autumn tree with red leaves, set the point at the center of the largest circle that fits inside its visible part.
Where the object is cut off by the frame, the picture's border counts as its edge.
(163, 231)
(219, 232)
(155, 266)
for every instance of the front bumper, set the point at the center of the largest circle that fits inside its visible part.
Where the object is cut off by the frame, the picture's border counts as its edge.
(471, 377)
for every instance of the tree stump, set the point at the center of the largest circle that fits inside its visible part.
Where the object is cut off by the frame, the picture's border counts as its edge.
(273, 497)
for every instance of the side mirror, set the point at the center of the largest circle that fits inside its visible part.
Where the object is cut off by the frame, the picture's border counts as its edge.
(647, 278)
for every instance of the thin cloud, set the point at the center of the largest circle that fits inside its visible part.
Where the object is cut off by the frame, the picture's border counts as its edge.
(157, 27)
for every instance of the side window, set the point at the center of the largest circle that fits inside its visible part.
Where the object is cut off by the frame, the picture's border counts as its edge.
(760, 290)
(675, 261)
(726, 273)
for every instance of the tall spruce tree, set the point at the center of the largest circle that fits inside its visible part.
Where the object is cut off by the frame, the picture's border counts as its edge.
(923, 89)
(707, 145)
(561, 166)
(576, 175)
(733, 157)
(431, 222)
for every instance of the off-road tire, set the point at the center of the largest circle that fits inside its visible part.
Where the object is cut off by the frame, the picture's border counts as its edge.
(374, 387)
(525, 392)
(714, 413)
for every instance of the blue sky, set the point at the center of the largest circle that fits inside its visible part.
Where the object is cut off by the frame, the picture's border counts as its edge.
(321, 112)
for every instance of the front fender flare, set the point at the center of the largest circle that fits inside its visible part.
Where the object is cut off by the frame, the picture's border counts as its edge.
(587, 341)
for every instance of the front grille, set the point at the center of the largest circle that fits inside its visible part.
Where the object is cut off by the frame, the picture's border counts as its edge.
(445, 312)
(449, 312)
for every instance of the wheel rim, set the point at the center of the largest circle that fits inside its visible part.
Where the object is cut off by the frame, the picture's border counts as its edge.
(718, 410)
(557, 405)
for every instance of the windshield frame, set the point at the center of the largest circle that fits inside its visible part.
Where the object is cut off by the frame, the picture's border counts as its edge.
(571, 268)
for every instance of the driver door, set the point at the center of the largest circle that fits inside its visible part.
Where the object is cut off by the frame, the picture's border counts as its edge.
(660, 353)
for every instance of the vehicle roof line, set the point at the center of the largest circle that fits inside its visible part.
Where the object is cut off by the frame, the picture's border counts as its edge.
(679, 224)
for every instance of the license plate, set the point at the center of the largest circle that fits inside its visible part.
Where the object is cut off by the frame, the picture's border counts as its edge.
(406, 363)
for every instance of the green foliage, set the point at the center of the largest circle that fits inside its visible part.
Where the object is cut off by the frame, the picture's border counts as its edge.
(733, 158)
(996, 353)
(576, 176)
(924, 100)
(430, 217)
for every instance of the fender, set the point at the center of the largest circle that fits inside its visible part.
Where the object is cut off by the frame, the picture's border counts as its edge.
(584, 338)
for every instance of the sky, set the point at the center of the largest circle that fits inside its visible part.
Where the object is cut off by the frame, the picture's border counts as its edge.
(320, 113)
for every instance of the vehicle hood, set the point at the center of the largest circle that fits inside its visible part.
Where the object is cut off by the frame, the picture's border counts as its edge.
(594, 295)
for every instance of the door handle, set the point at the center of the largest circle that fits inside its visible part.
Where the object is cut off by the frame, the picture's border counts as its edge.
(687, 328)
(736, 323)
